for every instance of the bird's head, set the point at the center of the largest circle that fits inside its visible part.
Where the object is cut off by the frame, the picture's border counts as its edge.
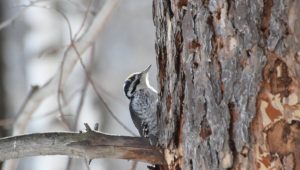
(136, 81)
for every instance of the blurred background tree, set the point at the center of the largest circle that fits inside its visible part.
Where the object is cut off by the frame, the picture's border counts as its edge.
(35, 36)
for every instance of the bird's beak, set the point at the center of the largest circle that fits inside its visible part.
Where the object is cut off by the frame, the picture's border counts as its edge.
(147, 69)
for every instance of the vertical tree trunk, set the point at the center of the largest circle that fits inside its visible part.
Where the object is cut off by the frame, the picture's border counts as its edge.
(2, 72)
(3, 103)
(229, 83)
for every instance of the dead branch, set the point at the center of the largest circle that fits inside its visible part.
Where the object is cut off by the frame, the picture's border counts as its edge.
(89, 145)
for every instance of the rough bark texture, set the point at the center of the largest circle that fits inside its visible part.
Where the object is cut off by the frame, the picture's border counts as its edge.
(229, 83)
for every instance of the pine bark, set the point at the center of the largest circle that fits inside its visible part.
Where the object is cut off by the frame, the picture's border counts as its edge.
(229, 83)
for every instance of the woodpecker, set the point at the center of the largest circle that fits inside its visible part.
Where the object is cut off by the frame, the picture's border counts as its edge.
(143, 101)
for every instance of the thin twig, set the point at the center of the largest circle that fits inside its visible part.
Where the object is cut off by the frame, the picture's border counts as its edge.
(85, 85)
(55, 110)
(84, 20)
(60, 92)
(84, 89)
(12, 19)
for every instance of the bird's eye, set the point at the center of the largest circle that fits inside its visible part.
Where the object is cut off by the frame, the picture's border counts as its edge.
(127, 83)
(131, 78)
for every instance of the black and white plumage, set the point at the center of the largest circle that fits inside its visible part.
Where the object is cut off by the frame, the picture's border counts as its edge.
(143, 101)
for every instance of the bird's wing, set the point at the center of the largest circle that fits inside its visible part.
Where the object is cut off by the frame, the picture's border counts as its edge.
(136, 120)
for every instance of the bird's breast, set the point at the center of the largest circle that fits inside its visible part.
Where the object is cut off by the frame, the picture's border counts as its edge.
(144, 102)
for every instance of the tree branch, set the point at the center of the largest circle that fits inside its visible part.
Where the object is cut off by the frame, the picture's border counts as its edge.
(87, 145)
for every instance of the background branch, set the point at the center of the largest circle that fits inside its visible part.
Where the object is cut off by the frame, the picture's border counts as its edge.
(39, 94)
(87, 145)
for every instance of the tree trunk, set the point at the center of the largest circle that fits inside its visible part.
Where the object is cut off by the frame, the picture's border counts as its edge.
(3, 100)
(229, 76)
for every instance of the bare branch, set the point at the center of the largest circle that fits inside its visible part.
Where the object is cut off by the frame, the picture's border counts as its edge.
(89, 145)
